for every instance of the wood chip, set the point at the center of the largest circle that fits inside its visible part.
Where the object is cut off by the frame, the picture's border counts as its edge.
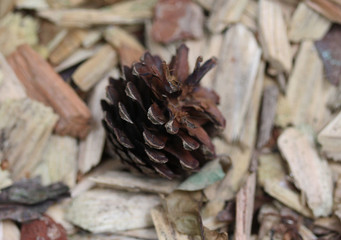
(311, 173)
(224, 13)
(306, 24)
(164, 229)
(127, 46)
(144, 233)
(5, 179)
(44, 84)
(272, 177)
(6, 6)
(126, 12)
(9, 231)
(95, 68)
(91, 147)
(273, 37)
(10, 86)
(330, 138)
(67, 46)
(177, 20)
(32, 5)
(59, 161)
(130, 182)
(307, 99)
(19, 30)
(250, 14)
(244, 208)
(101, 210)
(267, 115)
(25, 126)
(236, 74)
(331, 9)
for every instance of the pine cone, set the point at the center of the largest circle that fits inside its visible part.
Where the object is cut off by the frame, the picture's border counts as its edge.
(159, 119)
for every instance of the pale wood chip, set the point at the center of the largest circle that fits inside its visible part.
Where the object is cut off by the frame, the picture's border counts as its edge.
(329, 8)
(127, 46)
(306, 24)
(9, 230)
(225, 12)
(6, 6)
(59, 161)
(273, 35)
(32, 5)
(101, 210)
(311, 173)
(95, 68)
(130, 182)
(235, 78)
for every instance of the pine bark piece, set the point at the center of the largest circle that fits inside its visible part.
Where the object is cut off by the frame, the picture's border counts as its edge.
(267, 116)
(306, 24)
(9, 230)
(273, 178)
(126, 12)
(25, 126)
(59, 161)
(177, 20)
(15, 29)
(71, 42)
(130, 182)
(126, 45)
(273, 35)
(100, 210)
(311, 173)
(331, 9)
(164, 229)
(10, 86)
(94, 69)
(244, 208)
(236, 74)
(91, 148)
(330, 138)
(225, 12)
(307, 99)
(43, 228)
(44, 84)
(330, 52)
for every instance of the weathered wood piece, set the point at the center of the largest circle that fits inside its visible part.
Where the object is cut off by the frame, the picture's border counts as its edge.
(94, 69)
(164, 229)
(25, 126)
(307, 99)
(239, 60)
(126, 12)
(6, 6)
(225, 12)
(272, 177)
(144, 233)
(5, 179)
(59, 161)
(126, 45)
(10, 86)
(244, 208)
(101, 210)
(331, 9)
(91, 148)
(250, 14)
(273, 35)
(306, 24)
(330, 138)
(206, 4)
(130, 182)
(9, 231)
(68, 45)
(311, 173)
(267, 115)
(32, 5)
(16, 29)
(44, 84)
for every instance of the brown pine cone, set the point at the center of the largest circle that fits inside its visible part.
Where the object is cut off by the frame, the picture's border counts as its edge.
(159, 119)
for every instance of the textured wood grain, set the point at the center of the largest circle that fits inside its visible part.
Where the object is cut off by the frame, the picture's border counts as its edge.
(273, 35)
(311, 173)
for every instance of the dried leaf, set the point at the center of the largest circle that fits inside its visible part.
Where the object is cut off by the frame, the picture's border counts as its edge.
(28, 199)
